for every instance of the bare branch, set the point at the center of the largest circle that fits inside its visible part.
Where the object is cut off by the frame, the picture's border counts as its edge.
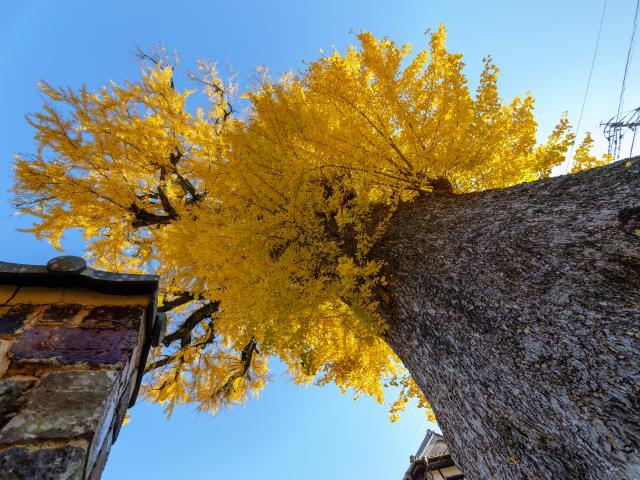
(158, 60)
(183, 332)
(246, 357)
(161, 363)
(144, 218)
(180, 299)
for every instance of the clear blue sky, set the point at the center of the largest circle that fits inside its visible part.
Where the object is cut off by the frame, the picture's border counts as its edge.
(541, 46)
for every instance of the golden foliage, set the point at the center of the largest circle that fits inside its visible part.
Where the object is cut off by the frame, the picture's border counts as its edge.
(274, 214)
(583, 160)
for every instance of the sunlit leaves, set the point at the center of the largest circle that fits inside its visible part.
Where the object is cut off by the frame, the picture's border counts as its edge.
(583, 159)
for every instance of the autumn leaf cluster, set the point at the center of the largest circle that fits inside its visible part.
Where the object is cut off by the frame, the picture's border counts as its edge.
(261, 223)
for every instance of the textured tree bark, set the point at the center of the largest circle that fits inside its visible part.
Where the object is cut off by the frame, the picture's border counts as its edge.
(517, 311)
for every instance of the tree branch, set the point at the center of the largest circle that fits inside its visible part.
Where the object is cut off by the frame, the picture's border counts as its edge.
(187, 186)
(246, 357)
(209, 338)
(180, 299)
(144, 218)
(161, 363)
(183, 332)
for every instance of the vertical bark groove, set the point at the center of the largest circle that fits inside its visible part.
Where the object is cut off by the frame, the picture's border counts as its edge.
(517, 311)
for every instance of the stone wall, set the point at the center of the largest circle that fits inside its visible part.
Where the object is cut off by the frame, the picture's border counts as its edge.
(69, 359)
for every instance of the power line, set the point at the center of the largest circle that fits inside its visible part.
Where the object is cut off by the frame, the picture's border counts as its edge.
(616, 128)
(617, 140)
(404, 449)
(626, 66)
(586, 90)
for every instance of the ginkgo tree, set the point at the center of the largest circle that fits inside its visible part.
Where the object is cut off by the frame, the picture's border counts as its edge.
(356, 219)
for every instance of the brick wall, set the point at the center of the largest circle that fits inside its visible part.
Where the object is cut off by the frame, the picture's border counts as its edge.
(69, 359)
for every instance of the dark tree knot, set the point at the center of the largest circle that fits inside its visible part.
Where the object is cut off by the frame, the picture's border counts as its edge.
(630, 219)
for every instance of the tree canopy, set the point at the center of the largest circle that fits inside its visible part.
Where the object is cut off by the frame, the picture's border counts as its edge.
(261, 222)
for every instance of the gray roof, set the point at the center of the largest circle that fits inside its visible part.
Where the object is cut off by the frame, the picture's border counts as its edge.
(433, 445)
(73, 271)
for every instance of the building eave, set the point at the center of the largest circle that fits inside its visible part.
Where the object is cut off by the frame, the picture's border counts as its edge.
(70, 271)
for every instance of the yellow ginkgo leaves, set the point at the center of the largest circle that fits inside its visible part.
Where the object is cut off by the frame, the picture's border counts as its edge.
(262, 225)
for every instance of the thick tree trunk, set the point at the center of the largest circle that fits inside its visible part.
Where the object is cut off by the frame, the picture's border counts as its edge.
(517, 311)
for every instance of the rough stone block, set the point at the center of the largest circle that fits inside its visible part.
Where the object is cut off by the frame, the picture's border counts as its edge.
(10, 392)
(13, 319)
(44, 464)
(67, 404)
(74, 345)
(126, 317)
(59, 313)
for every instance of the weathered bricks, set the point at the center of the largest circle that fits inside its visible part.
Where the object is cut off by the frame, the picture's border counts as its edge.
(71, 345)
(66, 404)
(14, 318)
(11, 391)
(68, 345)
(65, 462)
(59, 313)
(114, 317)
